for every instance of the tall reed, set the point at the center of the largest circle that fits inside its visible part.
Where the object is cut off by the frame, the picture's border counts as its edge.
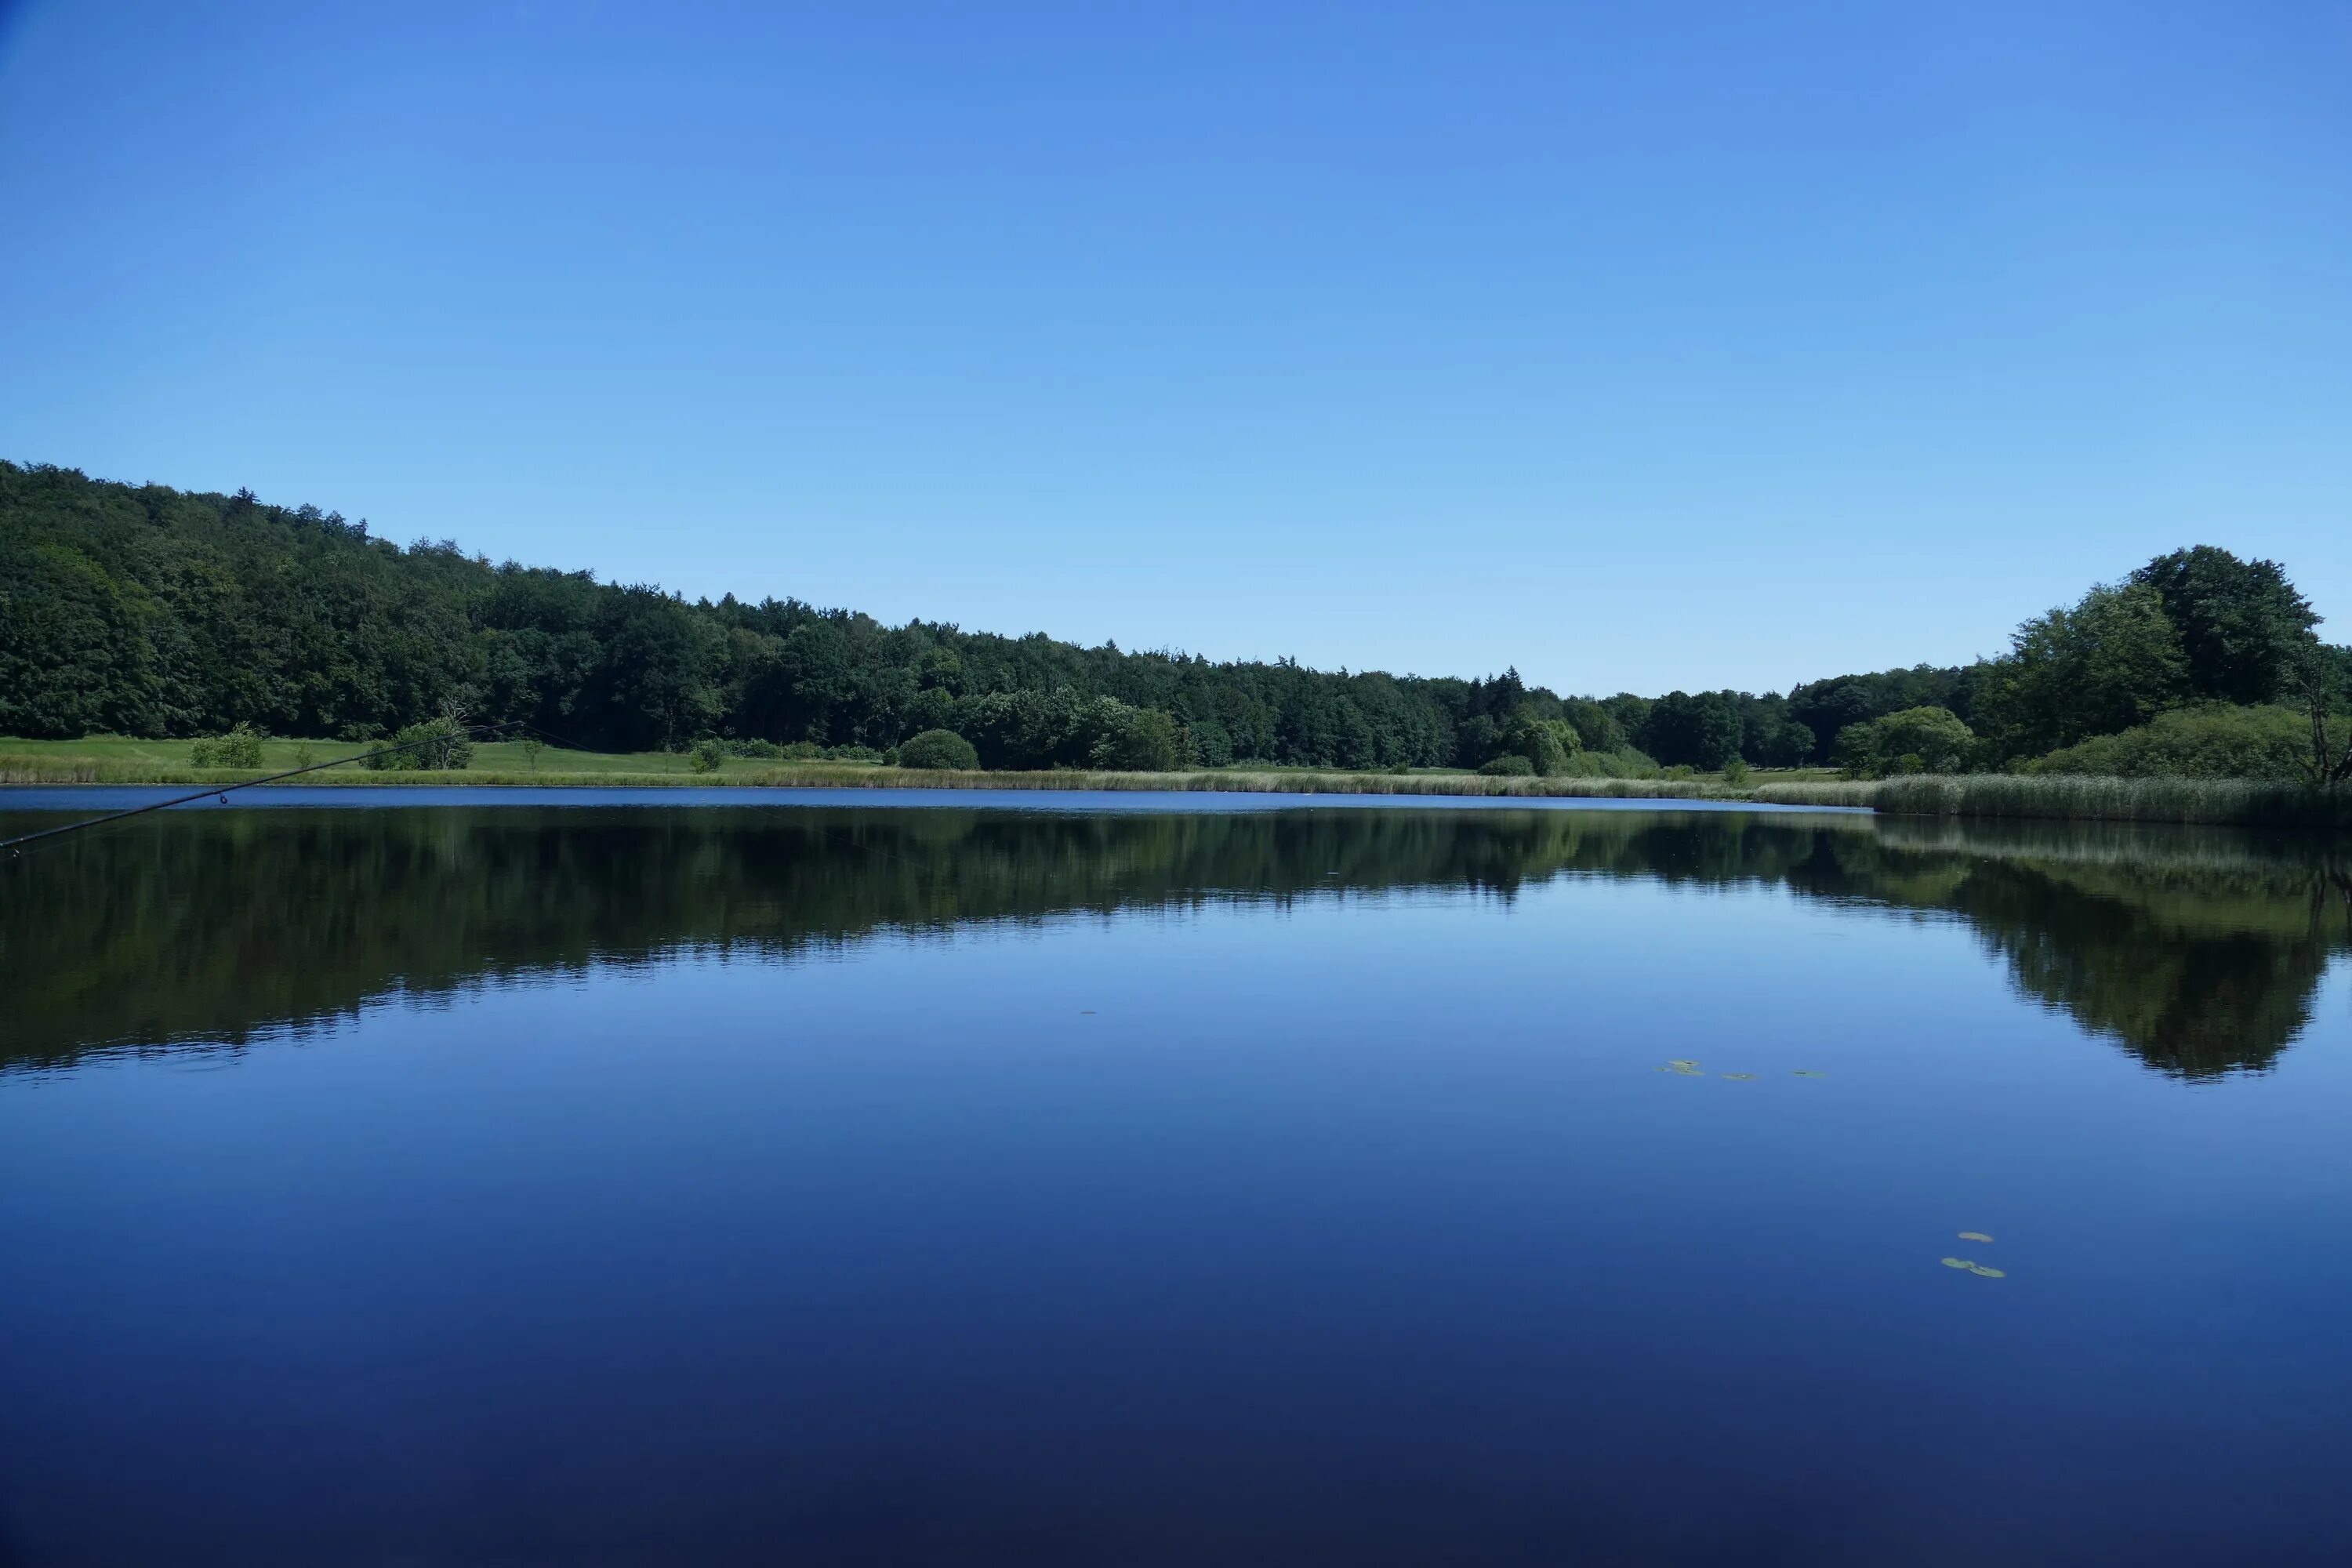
(2257, 803)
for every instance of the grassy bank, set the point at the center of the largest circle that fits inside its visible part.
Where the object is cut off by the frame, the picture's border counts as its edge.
(112, 759)
(2222, 802)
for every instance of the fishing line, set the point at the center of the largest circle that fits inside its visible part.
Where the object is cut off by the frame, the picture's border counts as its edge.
(14, 846)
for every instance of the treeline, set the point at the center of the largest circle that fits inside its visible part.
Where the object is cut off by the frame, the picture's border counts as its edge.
(143, 610)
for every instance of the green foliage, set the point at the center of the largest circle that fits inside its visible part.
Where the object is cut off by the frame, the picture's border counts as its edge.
(436, 745)
(1507, 765)
(2240, 625)
(708, 755)
(240, 748)
(2209, 741)
(2111, 662)
(532, 747)
(150, 612)
(1915, 741)
(937, 749)
(1735, 773)
(1825, 709)
(1625, 763)
(1701, 732)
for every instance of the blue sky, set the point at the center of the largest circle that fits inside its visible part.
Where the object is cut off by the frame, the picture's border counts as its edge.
(1637, 346)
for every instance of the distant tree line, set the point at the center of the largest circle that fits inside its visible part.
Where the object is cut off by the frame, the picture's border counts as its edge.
(143, 610)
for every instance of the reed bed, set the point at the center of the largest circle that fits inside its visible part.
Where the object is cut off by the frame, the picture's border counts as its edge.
(2245, 802)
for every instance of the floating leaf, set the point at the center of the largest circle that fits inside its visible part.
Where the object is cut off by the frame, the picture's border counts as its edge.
(1689, 1072)
(1988, 1273)
(1739, 1076)
(1958, 1263)
(1974, 1235)
(1801, 1072)
(1680, 1062)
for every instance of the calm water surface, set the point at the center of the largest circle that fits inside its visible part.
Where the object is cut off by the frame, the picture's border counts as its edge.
(1098, 1182)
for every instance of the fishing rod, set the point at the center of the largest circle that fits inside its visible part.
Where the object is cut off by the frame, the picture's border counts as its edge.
(14, 846)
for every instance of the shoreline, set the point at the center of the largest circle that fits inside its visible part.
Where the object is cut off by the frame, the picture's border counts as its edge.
(18, 771)
(2225, 802)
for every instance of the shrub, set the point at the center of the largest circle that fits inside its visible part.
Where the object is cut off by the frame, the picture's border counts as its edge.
(2212, 741)
(764, 751)
(1625, 763)
(710, 754)
(1735, 771)
(240, 748)
(1547, 745)
(1509, 765)
(937, 749)
(432, 746)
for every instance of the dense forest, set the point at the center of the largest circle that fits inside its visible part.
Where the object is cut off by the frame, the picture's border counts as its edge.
(143, 610)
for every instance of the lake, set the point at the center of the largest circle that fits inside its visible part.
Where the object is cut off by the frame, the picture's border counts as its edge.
(440, 1178)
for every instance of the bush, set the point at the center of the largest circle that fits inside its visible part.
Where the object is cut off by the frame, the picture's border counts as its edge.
(1735, 771)
(432, 746)
(762, 751)
(710, 754)
(1509, 765)
(937, 749)
(1547, 745)
(240, 748)
(2213, 742)
(1625, 763)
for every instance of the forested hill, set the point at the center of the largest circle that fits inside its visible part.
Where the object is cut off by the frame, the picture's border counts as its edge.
(143, 610)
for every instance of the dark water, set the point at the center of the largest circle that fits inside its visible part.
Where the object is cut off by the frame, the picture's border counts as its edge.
(872, 1184)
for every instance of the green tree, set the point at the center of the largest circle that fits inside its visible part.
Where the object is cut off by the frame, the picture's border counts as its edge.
(1702, 732)
(1916, 740)
(2111, 662)
(1548, 743)
(2241, 627)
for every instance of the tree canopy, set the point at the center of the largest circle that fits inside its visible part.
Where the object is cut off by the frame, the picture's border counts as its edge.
(143, 610)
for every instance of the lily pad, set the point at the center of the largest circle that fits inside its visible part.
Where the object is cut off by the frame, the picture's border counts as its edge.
(1974, 1235)
(1988, 1273)
(1737, 1077)
(1958, 1263)
(1689, 1072)
(1801, 1072)
(1680, 1062)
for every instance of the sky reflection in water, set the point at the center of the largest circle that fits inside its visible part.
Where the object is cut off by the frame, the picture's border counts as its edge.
(605, 1184)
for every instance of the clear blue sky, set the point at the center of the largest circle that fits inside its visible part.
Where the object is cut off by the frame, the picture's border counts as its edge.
(1640, 346)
